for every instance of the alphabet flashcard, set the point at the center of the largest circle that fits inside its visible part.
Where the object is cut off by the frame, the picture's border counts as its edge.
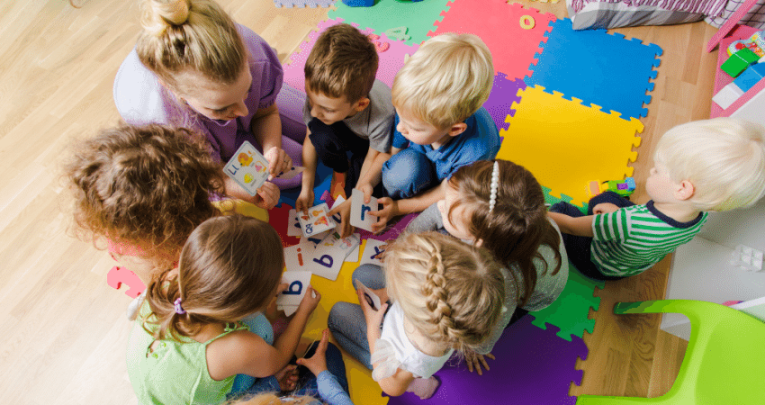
(330, 254)
(340, 200)
(372, 252)
(372, 299)
(298, 257)
(316, 221)
(360, 217)
(292, 172)
(248, 168)
(297, 284)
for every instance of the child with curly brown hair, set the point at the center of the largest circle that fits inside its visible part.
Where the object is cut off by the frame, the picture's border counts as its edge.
(143, 190)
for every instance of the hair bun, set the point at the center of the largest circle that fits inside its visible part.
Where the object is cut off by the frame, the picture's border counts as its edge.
(159, 14)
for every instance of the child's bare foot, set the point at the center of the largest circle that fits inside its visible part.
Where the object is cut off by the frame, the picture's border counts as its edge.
(424, 387)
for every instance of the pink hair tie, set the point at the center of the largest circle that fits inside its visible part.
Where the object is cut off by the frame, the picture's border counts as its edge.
(178, 308)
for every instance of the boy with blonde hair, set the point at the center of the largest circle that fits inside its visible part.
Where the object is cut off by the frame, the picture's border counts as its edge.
(348, 112)
(710, 165)
(440, 124)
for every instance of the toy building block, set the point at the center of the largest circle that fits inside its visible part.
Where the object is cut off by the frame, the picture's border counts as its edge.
(728, 95)
(750, 77)
(359, 3)
(739, 61)
(624, 188)
(593, 188)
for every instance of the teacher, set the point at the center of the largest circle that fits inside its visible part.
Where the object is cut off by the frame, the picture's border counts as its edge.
(194, 67)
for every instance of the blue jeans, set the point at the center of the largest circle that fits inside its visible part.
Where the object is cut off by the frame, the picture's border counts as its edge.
(407, 174)
(578, 247)
(346, 321)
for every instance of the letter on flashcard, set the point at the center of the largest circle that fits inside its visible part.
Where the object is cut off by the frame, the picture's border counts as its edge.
(377, 252)
(364, 209)
(327, 263)
(292, 291)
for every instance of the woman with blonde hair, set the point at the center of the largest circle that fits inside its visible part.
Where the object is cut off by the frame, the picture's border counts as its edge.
(194, 66)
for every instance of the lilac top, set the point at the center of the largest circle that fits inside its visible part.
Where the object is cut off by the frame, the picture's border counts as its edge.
(141, 99)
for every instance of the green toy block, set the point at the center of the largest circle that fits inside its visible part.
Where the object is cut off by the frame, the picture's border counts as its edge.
(739, 61)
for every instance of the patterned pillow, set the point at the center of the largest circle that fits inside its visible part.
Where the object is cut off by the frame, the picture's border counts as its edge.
(627, 13)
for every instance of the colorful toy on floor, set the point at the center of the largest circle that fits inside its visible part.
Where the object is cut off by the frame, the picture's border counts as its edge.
(755, 43)
(624, 188)
(359, 3)
(118, 276)
(739, 61)
(733, 91)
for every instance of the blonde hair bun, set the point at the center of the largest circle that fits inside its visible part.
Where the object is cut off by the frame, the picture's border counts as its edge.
(158, 15)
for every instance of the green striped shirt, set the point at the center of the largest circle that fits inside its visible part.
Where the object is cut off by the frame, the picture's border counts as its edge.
(631, 240)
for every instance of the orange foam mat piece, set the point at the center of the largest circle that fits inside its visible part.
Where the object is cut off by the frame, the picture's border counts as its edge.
(566, 145)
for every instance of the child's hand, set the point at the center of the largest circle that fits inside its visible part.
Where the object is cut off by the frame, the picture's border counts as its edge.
(372, 316)
(382, 293)
(304, 200)
(388, 211)
(475, 360)
(287, 377)
(268, 196)
(604, 208)
(278, 162)
(310, 301)
(344, 210)
(318, 362)
(367, 190)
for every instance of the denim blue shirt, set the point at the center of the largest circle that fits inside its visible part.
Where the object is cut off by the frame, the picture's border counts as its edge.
(480, 141)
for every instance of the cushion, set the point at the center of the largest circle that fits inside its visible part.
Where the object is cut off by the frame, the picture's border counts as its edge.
(627, 13)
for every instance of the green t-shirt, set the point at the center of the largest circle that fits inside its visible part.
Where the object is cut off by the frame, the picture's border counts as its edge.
(174, 372)
(631, 240)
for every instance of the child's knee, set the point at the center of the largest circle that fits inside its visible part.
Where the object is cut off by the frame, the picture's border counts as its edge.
(407, 173)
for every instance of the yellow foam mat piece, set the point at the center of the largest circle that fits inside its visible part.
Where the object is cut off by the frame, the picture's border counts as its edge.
(566, 145)
(363, 389)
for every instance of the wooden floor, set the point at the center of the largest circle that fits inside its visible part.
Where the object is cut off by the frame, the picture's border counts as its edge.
(63, 329)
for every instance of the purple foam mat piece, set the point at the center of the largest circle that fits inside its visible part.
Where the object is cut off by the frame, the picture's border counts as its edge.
(598, 68)
(503, 94)
(533, 366)
(304, 3)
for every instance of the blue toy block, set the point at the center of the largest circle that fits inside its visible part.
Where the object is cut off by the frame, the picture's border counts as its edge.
(750, 77)
(359, 3)
(630, 183)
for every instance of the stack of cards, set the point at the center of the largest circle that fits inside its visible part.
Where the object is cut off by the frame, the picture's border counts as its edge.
(324, 259)
(248, 168)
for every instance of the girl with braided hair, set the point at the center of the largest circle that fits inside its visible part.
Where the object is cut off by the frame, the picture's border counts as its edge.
(447, 296)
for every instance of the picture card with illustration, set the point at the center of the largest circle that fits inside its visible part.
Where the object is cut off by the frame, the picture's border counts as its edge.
(316, 221)
(248, 168)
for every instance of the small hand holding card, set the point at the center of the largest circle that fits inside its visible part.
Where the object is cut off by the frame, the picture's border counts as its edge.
(248, 168)
(316, 221)
(360, 217)
(297, 284)
(372, 251)
(372, 299)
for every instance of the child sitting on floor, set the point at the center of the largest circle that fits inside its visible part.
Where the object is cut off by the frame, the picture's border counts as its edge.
(440, 124)
(349, 115)
(187, 345)
(446, 295)
(710, 165)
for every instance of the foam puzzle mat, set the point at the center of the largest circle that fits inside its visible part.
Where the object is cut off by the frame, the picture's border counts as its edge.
(600, 69)
(512, 33)
(416, 18)
(566, 144)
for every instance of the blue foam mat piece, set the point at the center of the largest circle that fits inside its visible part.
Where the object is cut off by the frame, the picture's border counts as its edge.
(598, 68)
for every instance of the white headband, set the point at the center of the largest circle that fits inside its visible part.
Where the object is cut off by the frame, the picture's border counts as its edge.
(494, 186)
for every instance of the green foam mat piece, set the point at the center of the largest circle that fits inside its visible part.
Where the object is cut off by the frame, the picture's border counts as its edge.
(418, 17)
(570, 312)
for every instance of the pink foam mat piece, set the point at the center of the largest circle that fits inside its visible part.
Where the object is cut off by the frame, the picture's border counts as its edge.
(513, 48)
(390, 52)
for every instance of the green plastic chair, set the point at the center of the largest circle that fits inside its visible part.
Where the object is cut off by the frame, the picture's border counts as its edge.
(724, 362)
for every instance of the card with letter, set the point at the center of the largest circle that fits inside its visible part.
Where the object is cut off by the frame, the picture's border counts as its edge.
(248, 168)
(360, 217)
(294, 171)
(372, 252)
(372, 298)
(316, 221)
(293, 225)
(299, 256)
(297, 284)
(330, 253)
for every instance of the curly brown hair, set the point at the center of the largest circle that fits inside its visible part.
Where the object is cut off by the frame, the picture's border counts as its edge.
(147, 187)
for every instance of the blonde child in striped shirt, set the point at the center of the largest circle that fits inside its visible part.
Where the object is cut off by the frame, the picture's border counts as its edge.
(710, 165)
